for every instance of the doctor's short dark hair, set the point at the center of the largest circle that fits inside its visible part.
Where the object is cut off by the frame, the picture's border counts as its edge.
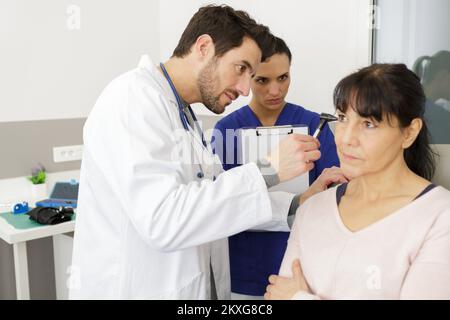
(383, 91)
(227, 27)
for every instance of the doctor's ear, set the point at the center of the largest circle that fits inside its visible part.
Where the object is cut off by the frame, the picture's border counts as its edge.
(204, 47)
(411, 132)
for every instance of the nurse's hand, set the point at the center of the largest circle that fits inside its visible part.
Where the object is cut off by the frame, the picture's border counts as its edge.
(282, 288)
(327, 178)
(294, 156)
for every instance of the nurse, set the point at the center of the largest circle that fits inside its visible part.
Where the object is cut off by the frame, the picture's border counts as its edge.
(153, 210)
(256, 255)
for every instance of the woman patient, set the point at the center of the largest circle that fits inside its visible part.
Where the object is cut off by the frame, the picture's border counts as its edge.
(385, 234)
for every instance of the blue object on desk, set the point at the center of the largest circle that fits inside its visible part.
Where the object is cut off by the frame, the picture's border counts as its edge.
(21, 208)
(64, 194)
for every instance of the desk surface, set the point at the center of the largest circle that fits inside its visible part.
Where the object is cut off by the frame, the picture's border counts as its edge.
(18, 190)
(13, 235)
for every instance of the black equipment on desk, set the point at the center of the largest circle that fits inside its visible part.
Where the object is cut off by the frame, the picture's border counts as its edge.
(51, 216)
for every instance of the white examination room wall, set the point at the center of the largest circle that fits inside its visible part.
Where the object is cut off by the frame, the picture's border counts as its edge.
(57, 55)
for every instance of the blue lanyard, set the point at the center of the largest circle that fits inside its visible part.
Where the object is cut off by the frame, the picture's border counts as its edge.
(180, 103)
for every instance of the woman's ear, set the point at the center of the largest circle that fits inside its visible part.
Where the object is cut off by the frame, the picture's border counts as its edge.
(411, 132)
(204, 47)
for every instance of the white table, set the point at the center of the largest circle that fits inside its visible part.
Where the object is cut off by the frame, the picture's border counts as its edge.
(18, 238)
(17, 190)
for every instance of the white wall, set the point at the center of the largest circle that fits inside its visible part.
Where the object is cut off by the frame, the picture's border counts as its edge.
(49, 69)
(51, 72)
(328, 39)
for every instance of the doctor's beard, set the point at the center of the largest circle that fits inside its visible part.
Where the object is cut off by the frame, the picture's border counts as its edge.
(207, 82)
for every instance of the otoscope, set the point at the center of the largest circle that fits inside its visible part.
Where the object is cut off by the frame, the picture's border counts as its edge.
(324, 119)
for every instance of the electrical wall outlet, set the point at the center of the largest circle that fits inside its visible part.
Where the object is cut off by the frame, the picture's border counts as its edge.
(67, 153)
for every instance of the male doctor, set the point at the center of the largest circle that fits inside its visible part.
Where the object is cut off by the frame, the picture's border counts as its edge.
(154, 209)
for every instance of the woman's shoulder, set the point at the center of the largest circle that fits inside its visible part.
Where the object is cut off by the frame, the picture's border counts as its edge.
(430, 211)
(436, 194)
(439, 198)
(324, 201)
(437, 213)
(318, 211)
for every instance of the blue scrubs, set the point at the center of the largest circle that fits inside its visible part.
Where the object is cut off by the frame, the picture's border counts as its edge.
(256, 255)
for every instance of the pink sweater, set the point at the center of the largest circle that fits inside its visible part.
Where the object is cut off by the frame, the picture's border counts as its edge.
(406, 255)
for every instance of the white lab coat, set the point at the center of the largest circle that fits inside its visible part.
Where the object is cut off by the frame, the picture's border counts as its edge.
(147, 227)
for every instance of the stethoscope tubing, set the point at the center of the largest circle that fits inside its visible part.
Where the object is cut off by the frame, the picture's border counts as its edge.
(183, 115)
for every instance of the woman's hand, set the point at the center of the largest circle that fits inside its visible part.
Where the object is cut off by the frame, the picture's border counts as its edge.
(328, 177)
(282, 288)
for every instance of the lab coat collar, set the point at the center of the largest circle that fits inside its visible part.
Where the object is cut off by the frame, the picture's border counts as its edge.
(147, 63)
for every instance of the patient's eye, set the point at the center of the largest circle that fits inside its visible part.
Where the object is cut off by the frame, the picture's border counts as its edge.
(369, 124)
(341, 117)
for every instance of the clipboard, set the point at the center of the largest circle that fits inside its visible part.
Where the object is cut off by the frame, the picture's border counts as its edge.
(256, 143)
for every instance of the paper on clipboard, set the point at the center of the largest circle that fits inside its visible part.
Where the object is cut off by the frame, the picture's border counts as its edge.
(256, 143)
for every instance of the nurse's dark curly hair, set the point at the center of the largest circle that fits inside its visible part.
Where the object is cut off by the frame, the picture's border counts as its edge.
(227, 27)
(385, 90)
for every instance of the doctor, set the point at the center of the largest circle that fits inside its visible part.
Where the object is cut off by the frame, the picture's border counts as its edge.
(154, 209)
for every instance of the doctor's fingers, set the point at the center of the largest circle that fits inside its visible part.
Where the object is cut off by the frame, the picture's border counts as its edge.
(307, 146)
(305, 167)
(310, 156)
(332, 170)
(333, 174)
(336, 178)
(306, 139)
(302, 163)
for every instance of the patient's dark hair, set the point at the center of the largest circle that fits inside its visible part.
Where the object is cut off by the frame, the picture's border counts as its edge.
(227, 27)
(385, 90)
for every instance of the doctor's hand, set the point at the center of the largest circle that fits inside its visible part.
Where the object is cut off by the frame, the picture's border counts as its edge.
(282, 288)
(295, 155)
(327, 178)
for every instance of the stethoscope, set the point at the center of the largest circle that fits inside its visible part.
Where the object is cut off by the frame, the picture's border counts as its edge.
(183, 116)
